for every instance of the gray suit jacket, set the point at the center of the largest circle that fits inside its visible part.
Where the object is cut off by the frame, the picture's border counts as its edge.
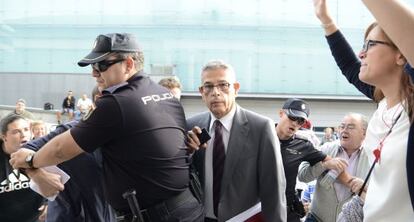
(253, 168)
(325, 205)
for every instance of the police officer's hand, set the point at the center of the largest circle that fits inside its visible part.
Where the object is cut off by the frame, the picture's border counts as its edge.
(193, 143)
(18, 158)
(337, 164)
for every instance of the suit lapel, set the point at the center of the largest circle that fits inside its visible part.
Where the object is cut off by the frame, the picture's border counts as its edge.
(238, 134)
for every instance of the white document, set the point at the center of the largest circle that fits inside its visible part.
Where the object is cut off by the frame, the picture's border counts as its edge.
(64, 177)
(247, 213)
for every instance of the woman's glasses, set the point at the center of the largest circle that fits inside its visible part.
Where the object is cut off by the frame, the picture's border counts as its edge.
(369, 43)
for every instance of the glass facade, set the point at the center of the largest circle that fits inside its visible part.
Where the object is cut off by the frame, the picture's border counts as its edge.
(276, 46)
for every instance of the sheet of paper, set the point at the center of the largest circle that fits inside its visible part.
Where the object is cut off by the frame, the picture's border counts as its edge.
(64, 177)
(245, 215)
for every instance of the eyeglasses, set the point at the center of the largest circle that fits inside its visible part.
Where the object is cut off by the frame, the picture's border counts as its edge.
(347, 126)
(102, 66)
(223, 86)
(299, 120)
(369, 43)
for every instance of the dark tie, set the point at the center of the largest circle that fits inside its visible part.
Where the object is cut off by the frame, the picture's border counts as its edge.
(219, 156)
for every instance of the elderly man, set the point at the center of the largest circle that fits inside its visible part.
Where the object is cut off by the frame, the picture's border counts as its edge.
(141, 130)
(329, 198)
(242, 164)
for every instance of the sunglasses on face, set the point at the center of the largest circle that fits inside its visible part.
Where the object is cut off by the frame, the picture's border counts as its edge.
(102, 66)
(299, 120)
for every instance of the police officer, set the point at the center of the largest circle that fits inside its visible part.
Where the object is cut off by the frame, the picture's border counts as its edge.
(140, 127)
(295, 149)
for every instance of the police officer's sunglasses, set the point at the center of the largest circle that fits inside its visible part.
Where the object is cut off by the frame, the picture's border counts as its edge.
(102, 66)
(299, 120)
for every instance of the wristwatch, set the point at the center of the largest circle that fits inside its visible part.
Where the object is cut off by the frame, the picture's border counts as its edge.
(29, 160)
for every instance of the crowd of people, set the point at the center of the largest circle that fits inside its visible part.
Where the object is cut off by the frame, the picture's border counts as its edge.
(135, 156)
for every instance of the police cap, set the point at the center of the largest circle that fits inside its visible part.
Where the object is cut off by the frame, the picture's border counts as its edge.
(297, 108)
(112, 42)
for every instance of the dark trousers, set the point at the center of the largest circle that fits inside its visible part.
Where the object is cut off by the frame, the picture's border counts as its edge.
(292, 216)
(189, 211)
(311, 218)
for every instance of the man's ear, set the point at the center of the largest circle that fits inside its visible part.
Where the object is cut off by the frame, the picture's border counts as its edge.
(129, 64)
(236, 86)
(200, 89)
(280, 113)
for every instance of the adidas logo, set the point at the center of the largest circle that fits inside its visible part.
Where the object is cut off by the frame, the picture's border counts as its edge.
(16, 181)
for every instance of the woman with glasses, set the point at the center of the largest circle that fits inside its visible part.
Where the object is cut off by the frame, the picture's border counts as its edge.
(379, 74)
(397, 20)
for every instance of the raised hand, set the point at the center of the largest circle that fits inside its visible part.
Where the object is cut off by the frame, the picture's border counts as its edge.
(321, 11)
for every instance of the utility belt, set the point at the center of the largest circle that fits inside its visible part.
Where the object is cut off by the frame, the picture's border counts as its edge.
(158, 212)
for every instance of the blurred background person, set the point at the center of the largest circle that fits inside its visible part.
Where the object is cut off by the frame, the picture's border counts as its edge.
(38, 128)
(68, 106)
(84, 104)
(173, 84)
(328, 136)
(21, 110)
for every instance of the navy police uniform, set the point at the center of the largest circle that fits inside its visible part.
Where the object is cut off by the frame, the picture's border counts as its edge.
(294, 151)
(140, 127)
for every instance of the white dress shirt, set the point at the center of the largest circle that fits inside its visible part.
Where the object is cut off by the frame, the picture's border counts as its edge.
(227, 122)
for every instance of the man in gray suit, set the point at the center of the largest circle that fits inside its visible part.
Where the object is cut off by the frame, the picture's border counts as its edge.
(249, 170)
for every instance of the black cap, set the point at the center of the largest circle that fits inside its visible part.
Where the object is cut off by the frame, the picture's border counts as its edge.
(297, 108)
(112, 42)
